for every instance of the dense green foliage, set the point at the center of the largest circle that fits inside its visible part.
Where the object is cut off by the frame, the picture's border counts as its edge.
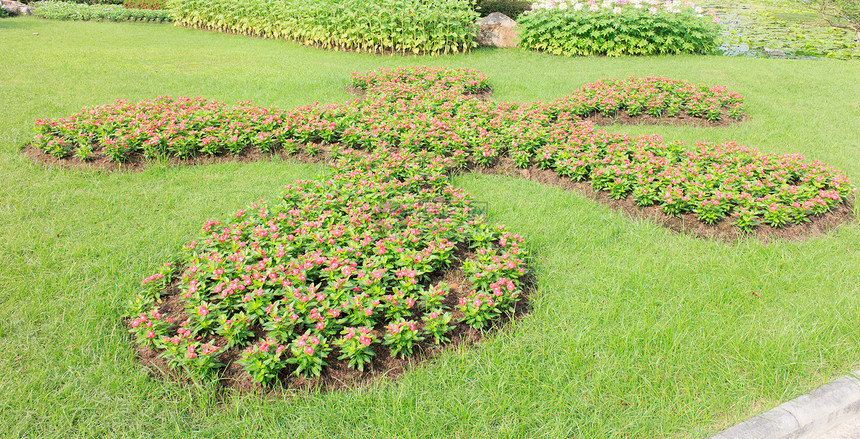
(403, 26)
(511, 8)
(615, 29)
(58, 10)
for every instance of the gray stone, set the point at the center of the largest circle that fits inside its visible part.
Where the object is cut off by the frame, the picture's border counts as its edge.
(16, 8)
(808, 416)
(497, 30)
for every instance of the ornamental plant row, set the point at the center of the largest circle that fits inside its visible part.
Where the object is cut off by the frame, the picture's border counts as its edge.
(431, 110)
(617, 27)
(58, 10)
(342, 267)
(404, 26)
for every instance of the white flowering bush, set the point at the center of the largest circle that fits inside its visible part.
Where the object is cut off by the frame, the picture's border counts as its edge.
(617, 27)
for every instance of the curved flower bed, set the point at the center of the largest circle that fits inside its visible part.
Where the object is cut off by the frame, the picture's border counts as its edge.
(343, 268)
(430, 110)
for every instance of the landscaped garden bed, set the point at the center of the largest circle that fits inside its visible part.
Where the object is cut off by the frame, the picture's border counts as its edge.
(343, 279)
(432, 110)
(631, 331)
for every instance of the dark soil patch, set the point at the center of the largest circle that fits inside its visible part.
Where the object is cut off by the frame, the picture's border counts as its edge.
(682, 119)
(360, 93)
(337, 375)
(688, 223)
(101, 162)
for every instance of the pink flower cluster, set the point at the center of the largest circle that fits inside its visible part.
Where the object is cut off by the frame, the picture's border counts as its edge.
(335, 260)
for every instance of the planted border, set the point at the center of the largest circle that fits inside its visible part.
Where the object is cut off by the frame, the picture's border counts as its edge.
(424, 109)
(379, 26)
(58, 10)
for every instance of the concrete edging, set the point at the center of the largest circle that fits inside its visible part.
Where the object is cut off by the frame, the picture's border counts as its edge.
(809, 414)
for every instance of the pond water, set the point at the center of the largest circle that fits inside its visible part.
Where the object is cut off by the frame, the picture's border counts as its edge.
(779, 30)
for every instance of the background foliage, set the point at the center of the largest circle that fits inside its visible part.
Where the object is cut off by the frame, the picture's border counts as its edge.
(407, 26)
(630, 31)
(511, 8)
(58, 10)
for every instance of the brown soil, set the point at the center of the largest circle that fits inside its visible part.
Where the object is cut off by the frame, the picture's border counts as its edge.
(679, 120)
(337, 375)
(101, 162)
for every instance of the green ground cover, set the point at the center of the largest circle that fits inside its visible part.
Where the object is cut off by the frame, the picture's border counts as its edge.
(634, 331)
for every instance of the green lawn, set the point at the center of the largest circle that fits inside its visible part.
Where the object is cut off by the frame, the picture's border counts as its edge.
(634, 332)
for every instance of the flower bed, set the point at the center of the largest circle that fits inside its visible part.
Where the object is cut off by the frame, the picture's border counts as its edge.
(347, 267)
(426, 110)
(654, 96)
(617, 27)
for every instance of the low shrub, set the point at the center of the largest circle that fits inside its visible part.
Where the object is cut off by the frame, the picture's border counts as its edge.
(511, 8)
(339, 267)
(145, 4)
(617, 27)
(430, 113)
(402, 26)
(58, 10)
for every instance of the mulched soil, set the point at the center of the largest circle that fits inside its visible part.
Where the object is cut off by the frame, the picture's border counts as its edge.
(337, 376)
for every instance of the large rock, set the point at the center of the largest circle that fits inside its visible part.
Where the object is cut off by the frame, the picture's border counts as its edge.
(16, 8)
(497, 30)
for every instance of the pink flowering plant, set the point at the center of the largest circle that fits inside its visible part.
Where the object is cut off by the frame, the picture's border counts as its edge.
(431, 110)
(437, 324)
(654, 96)
(401, 337)
(355, 346)
(264, 361)
(309, 353)
(323, 270)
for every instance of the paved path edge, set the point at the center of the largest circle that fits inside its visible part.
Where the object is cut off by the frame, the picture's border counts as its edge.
(804, 416)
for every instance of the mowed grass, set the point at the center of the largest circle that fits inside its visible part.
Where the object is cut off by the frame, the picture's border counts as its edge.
(635, 331)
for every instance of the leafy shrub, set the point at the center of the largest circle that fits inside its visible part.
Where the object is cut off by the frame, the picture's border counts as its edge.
(4, 13)
(403, 26)
(426, 110)
(145, 4)
(57, 10)
(335, 267)
(511, 8)
(616, 27)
